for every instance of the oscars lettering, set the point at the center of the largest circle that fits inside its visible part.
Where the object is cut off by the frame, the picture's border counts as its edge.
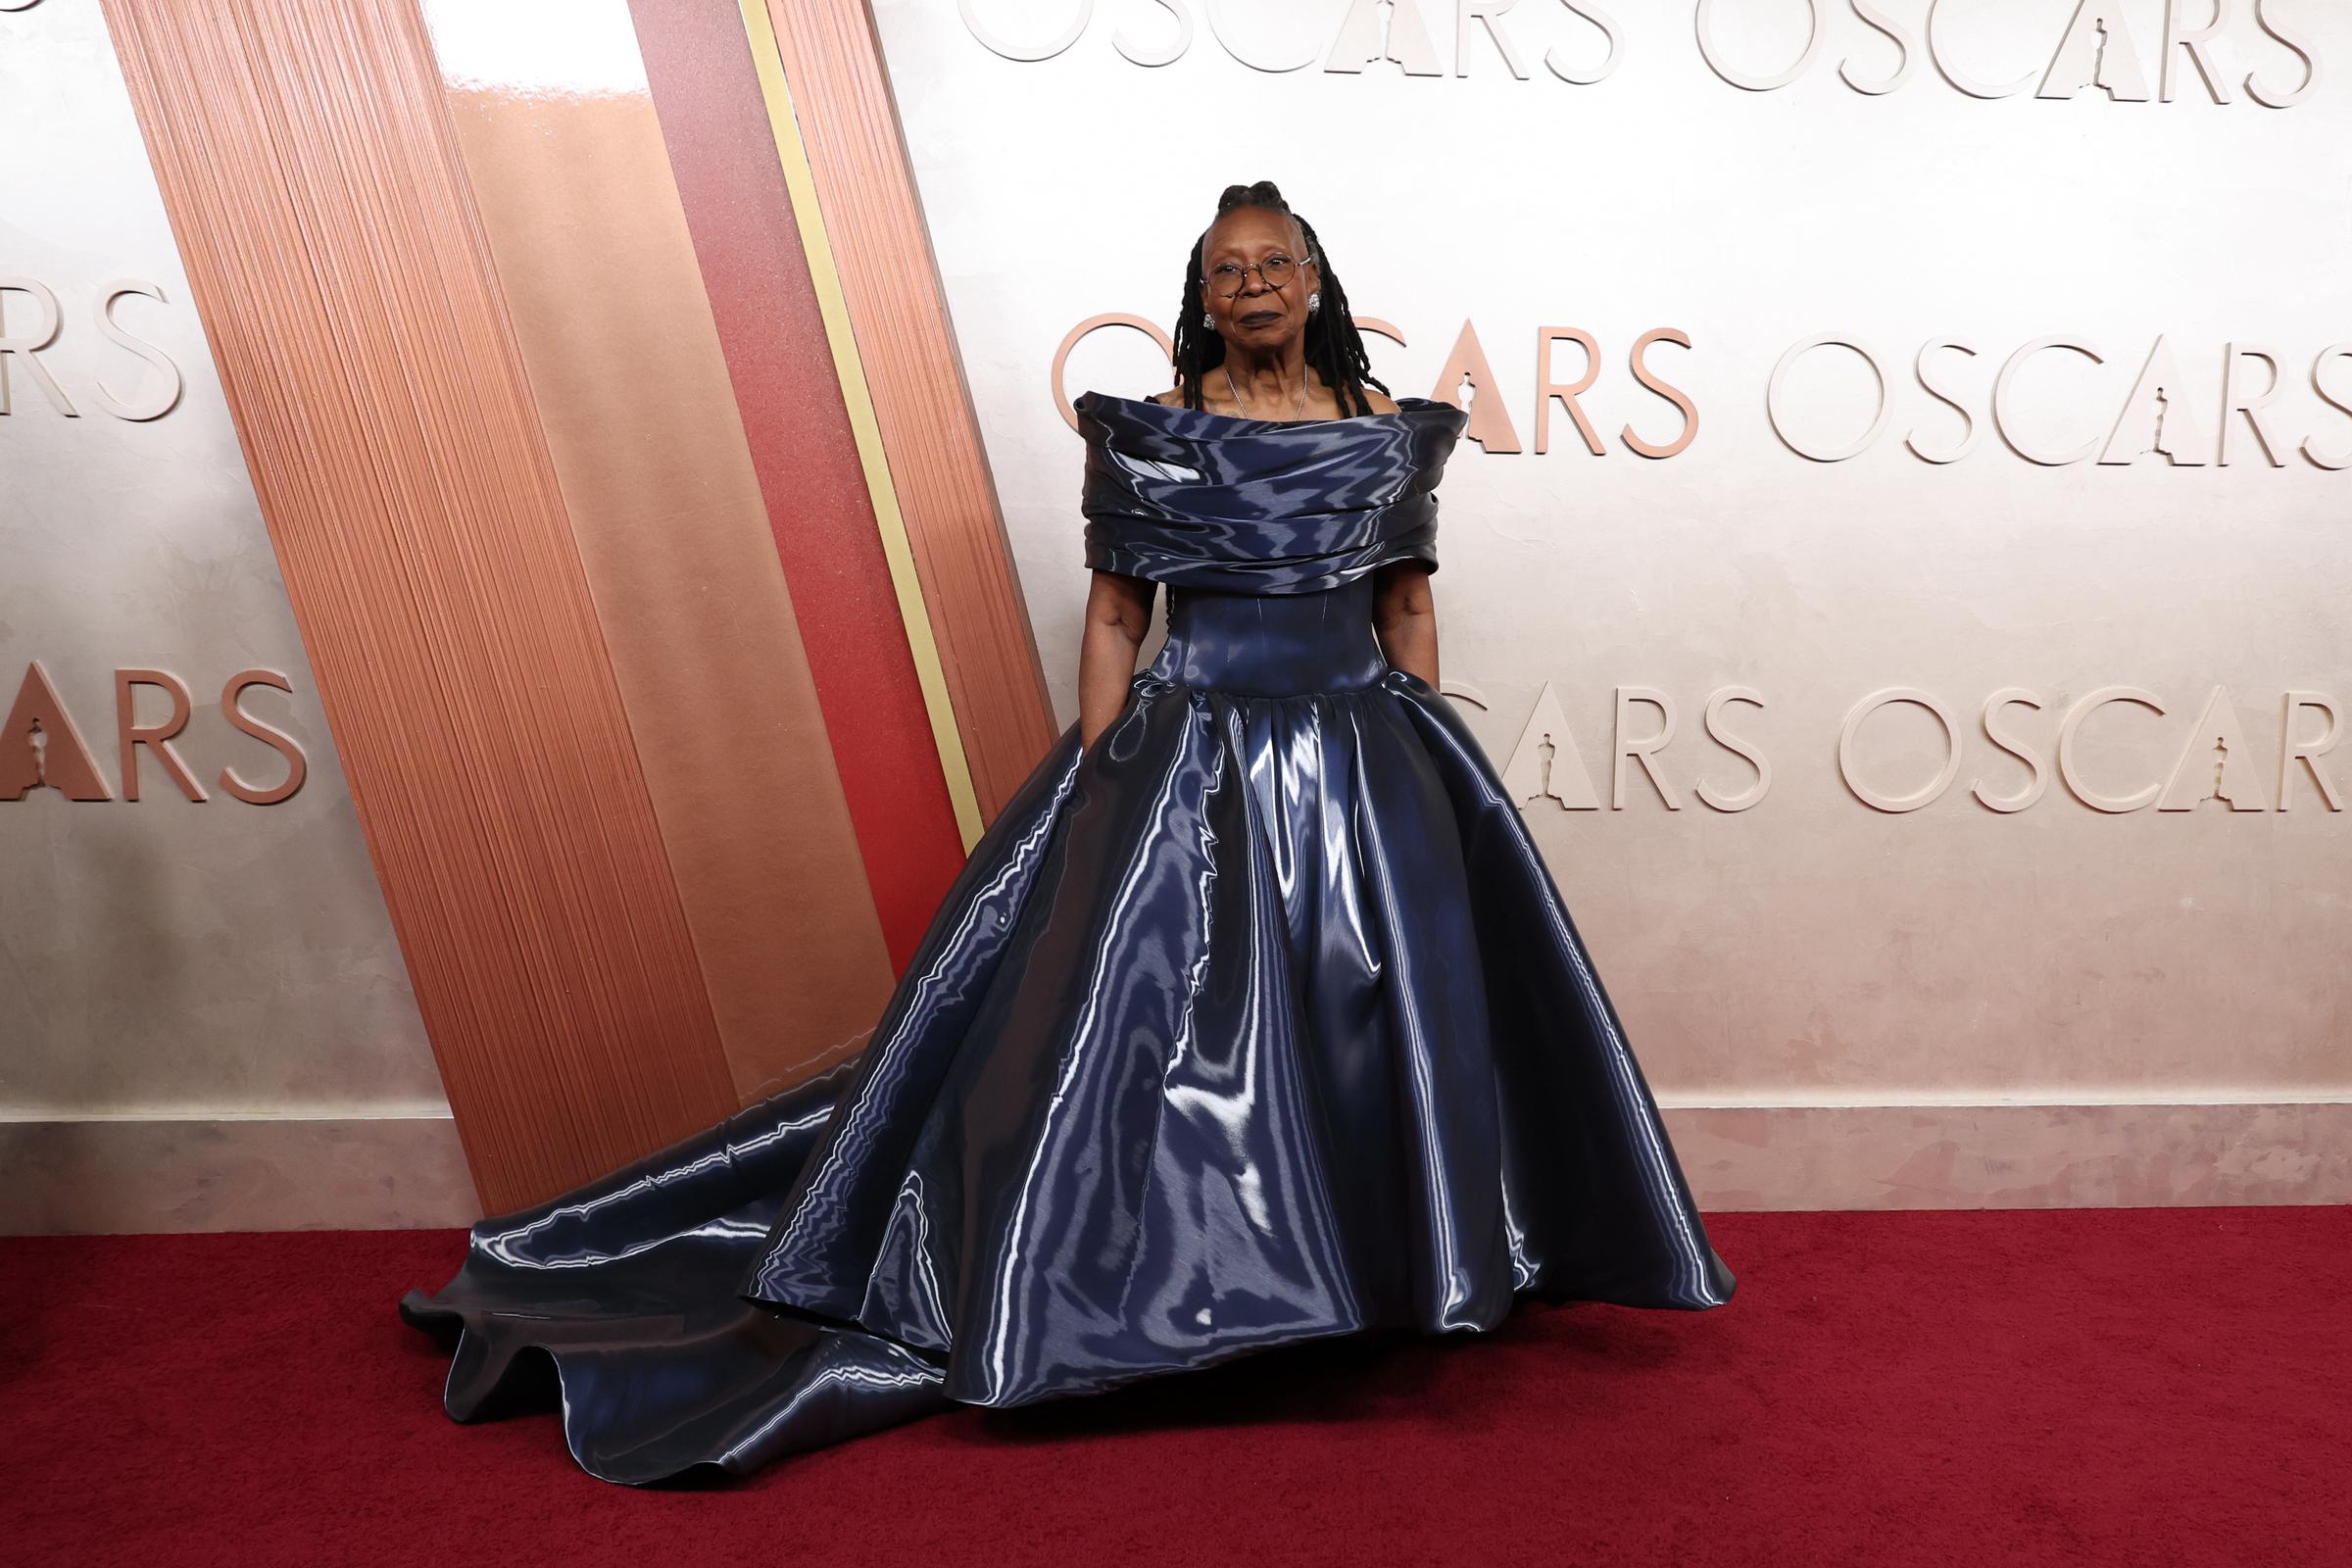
(41, 748)
(150, 397)
(2162, 412)
(2095, 50)
(2217, 758)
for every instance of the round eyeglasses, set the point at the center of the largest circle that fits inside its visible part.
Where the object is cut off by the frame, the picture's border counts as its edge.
(1228, 279)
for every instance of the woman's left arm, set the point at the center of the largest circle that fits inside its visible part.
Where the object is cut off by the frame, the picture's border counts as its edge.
(1406, 618)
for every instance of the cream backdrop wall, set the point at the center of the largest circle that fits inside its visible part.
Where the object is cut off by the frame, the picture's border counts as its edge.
(1843, 1003)
(205, 1022)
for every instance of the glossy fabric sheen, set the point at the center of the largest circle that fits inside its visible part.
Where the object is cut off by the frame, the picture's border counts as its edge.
(1260, 1022)
(1195, 499)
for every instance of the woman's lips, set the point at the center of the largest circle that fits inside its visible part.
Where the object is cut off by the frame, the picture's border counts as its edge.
(1260, 317)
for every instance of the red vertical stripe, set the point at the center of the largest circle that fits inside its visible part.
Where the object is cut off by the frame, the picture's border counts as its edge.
(748, 245)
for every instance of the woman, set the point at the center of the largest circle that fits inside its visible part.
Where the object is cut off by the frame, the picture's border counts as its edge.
(1255, 1018)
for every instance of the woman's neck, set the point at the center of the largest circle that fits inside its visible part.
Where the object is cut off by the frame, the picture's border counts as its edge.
(1267, 377)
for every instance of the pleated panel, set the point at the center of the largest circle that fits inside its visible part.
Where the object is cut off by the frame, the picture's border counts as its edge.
(599, 274)
(307, 160)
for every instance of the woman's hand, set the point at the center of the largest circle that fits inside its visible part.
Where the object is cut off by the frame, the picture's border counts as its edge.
(1119, 616)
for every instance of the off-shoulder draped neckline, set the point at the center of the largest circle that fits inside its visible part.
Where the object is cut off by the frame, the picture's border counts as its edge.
(1197, 499)
(1406, 407)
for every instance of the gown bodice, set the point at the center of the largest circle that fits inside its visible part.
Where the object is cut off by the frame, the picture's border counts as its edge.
(1265, 532)
(1272, 645)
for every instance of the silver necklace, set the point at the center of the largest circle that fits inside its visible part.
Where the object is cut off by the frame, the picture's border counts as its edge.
(1244, 408)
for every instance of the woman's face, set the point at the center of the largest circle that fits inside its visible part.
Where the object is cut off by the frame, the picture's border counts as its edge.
(1259, 317)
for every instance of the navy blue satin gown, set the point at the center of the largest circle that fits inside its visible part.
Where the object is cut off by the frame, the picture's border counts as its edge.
(1260, 1022)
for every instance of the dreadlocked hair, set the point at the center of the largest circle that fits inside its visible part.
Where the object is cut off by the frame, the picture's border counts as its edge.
(1333, 346)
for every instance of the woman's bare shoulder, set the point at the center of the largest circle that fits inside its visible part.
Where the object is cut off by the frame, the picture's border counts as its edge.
(1173, 396)
(1381, 401)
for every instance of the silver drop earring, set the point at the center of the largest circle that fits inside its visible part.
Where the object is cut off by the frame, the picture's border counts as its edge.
(1314, 301)
(1208, 320)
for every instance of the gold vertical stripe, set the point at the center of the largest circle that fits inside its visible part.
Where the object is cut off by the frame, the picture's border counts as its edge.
(584, 221)
(857, 149)
(841, 338)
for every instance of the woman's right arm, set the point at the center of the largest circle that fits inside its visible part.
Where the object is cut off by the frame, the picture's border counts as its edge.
(1119, 616)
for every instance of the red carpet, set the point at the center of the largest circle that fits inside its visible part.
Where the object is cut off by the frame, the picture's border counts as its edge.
(2108, 1386)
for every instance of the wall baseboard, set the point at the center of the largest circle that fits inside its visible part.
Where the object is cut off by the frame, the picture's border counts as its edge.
(2117, 1155)
(112, 1175)
(177, 1173)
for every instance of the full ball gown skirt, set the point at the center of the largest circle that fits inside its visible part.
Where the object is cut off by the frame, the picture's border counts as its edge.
(1260, 1022)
